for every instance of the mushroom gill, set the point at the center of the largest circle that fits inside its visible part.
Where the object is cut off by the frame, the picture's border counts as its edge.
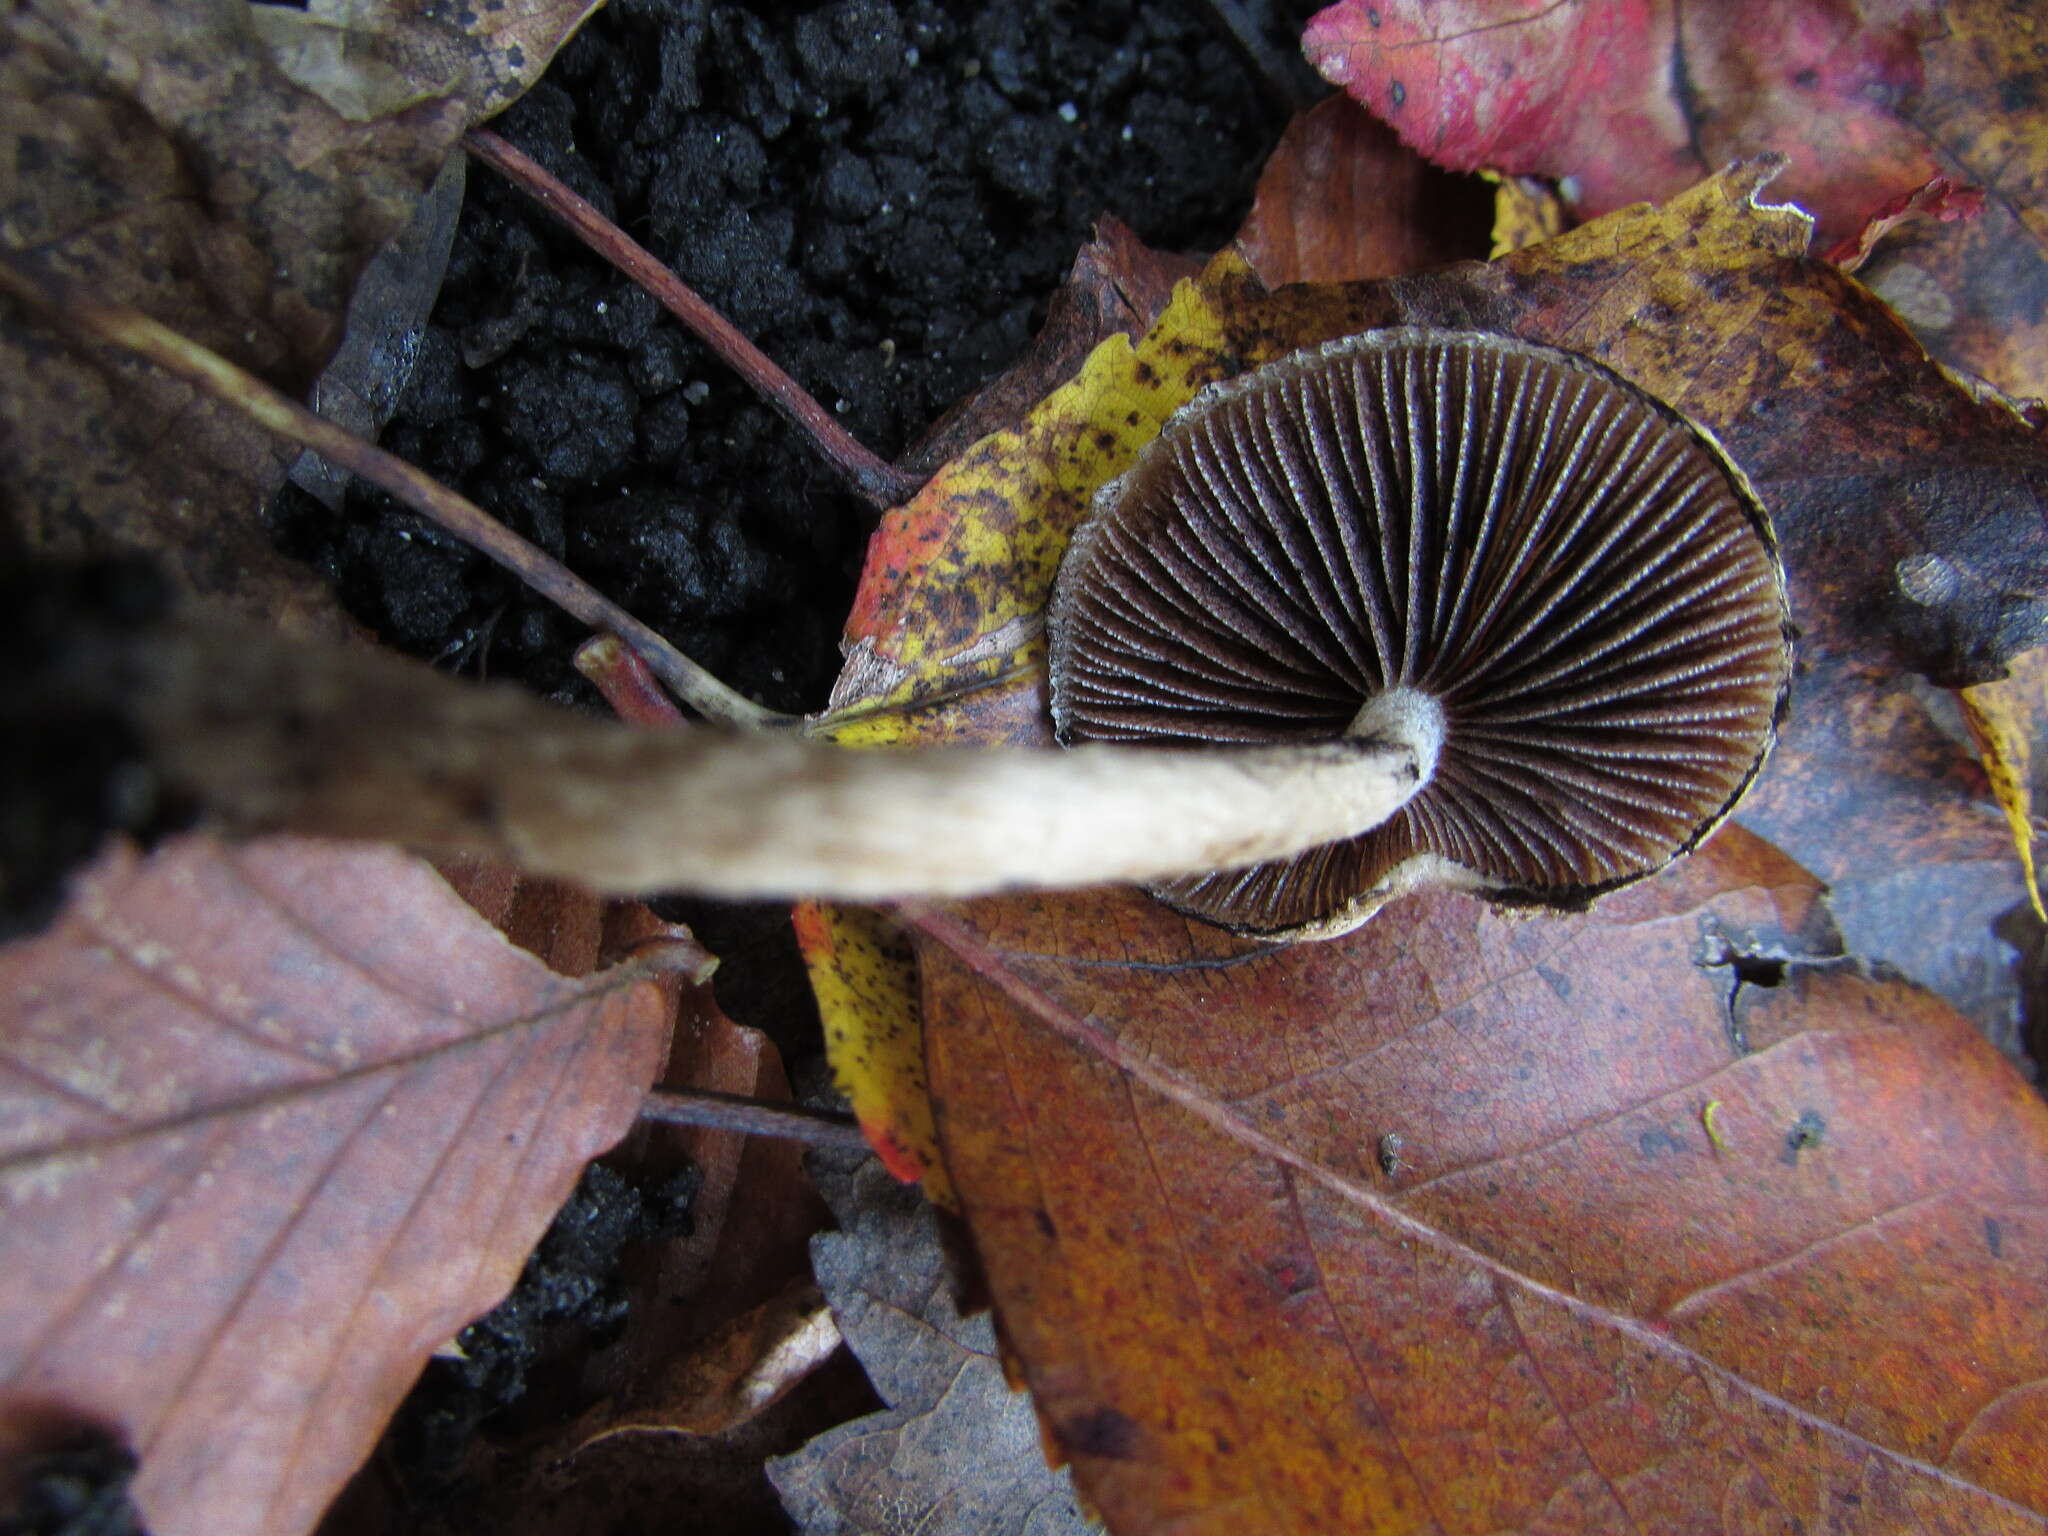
(1502, 553)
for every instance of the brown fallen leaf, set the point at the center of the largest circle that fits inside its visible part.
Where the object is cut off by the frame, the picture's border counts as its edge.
(373, 58)
(1342, 198)
(957, 1453)
(739, 1371)
(752, 1217)
(278, 1122)
(235, 206)
(1665, 1217)
(699, 1366)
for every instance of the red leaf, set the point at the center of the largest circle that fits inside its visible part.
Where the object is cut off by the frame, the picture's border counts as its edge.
(1638, 99)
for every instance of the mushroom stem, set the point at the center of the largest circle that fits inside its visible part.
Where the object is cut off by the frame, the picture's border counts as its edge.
(1404, 715)
(716, 812)
(267, 735)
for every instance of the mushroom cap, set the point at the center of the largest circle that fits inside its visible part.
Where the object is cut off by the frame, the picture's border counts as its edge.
(1577, 576)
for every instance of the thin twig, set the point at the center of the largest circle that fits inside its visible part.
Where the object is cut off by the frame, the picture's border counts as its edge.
(871, 475)
(214, 374)
(753, 1117)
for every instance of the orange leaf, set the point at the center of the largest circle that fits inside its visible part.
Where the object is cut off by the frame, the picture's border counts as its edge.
(280, 1120)
(1430, 1228)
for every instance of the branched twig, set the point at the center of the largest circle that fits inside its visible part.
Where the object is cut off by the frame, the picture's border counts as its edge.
(871, 475)
(753, 1117)
(136, 332)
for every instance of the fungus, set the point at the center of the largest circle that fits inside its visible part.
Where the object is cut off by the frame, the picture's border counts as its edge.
(1411, 606)
(1555, 593)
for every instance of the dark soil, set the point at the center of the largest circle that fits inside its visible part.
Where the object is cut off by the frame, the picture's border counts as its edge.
(883, 195)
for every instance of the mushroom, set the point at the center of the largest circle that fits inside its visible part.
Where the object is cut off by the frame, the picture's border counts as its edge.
(1410, 606)
(1556, 594)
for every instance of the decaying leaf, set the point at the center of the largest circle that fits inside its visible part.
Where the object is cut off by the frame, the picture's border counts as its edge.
(1439, 1196)
(1342, 198)
(729, 1377)
(374, 58)
(1659, 1218)
(2005, 719)
(159, 156)
(1870, 101)
(957, 1453)
(278, 1121)
(754, 1211)
(865, 980)
(1640, 102)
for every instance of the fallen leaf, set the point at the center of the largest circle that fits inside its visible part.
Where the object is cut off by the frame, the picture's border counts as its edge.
(230, 204)
(2004, 719)
(1474, 1220)
(375, 58)
(1641, 101)
(864, 977)
(957, 1453)
(1871, 101)
(1342, 198)
(1526, 211)
(755, 1210)
(1941, 199)
(279, 1121)
(1366, 1351)
(387, 318)
(736, 1373)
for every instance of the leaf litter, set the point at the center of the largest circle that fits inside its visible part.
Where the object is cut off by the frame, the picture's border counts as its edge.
(239, 208)
(956, 1452)
(270, 1143)
(1149, 1193)
(1963, 640)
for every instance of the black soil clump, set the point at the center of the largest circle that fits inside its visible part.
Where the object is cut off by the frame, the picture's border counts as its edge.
(883, 195)
(570, 1298)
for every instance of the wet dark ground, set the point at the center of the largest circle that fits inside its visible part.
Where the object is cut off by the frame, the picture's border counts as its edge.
(882, 195)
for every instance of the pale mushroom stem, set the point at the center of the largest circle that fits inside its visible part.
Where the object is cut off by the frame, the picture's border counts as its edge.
(738, 816)
(270, 736)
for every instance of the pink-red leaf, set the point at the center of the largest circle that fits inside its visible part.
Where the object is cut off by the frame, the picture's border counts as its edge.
(1637, 99)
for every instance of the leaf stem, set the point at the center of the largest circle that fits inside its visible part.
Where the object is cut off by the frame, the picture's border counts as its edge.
(753, 1117)
(874, 477)
(135, 332)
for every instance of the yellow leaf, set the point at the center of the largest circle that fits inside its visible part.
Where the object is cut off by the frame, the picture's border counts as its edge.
(2003, 718)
